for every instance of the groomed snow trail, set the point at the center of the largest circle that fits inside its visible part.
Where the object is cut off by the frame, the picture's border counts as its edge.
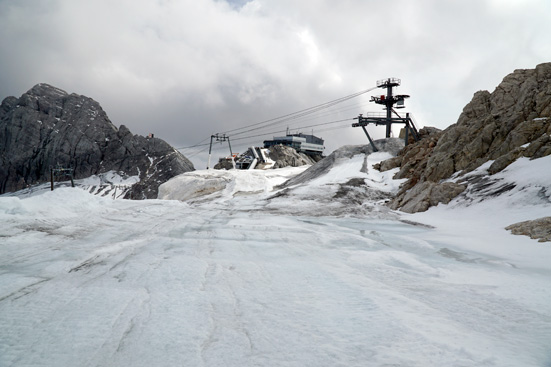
(88, 281)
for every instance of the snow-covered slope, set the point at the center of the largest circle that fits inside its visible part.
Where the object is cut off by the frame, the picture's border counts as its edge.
(256, 275)
(350, 187)
(345, 183)
(110, 184)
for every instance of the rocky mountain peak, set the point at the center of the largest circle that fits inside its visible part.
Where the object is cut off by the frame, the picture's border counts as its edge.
(45, 90)
(47, 127)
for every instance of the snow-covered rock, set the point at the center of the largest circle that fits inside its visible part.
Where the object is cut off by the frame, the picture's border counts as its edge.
(343, 183)
(216, 184)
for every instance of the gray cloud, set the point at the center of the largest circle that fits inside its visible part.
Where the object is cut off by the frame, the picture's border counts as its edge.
(189, 68)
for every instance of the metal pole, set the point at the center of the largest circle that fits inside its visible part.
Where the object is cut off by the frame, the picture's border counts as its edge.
(414, 131)
(231, 153)
(369, 138)
(210, 150)
(389, 103)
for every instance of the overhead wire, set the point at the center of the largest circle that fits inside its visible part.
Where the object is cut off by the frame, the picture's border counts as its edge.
(282, 131)
(198, 152)
(350, 107)
(199, 144)
(287, 120)
(297, 114)
(268, 133)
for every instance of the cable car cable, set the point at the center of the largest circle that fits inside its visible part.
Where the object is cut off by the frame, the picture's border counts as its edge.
(303, 112)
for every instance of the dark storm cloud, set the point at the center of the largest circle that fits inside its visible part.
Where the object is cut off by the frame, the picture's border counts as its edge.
(187, 69)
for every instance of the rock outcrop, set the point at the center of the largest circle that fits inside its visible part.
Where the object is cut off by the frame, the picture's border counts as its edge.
(514, 121)
(343, 183)
(47, 127)
(539, 229)
(288, 157)
(283, 156)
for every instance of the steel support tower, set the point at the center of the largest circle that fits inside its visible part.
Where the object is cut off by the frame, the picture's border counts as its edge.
(219, 138)
(388, 101)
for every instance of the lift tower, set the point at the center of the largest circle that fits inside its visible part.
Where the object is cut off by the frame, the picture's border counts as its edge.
(388, 100)
(221, 138)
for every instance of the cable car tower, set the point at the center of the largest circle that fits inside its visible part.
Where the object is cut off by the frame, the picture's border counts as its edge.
(388, 100)
(221, 138)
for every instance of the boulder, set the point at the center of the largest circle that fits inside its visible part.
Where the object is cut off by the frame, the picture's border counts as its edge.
(539, 229)
(427, 194)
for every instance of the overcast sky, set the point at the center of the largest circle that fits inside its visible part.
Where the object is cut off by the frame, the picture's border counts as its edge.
(185, 69)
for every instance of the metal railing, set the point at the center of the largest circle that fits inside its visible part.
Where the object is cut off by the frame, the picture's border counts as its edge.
(385, 82)
(375, 114)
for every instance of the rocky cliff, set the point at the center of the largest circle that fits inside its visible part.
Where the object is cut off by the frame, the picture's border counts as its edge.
(511, 122)
(47, 127)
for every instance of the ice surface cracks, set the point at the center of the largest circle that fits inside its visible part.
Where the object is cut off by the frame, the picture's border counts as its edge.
(22, 292)
(218, 286)
(225, 316)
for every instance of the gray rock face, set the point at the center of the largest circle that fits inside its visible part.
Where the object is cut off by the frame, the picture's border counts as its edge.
(427, 194)
(511, 122)
(48, 127)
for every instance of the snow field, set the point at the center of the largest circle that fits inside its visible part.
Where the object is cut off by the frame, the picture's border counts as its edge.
(91, 281)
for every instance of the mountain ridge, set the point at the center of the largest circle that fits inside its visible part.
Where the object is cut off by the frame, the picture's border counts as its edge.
(47, 127)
